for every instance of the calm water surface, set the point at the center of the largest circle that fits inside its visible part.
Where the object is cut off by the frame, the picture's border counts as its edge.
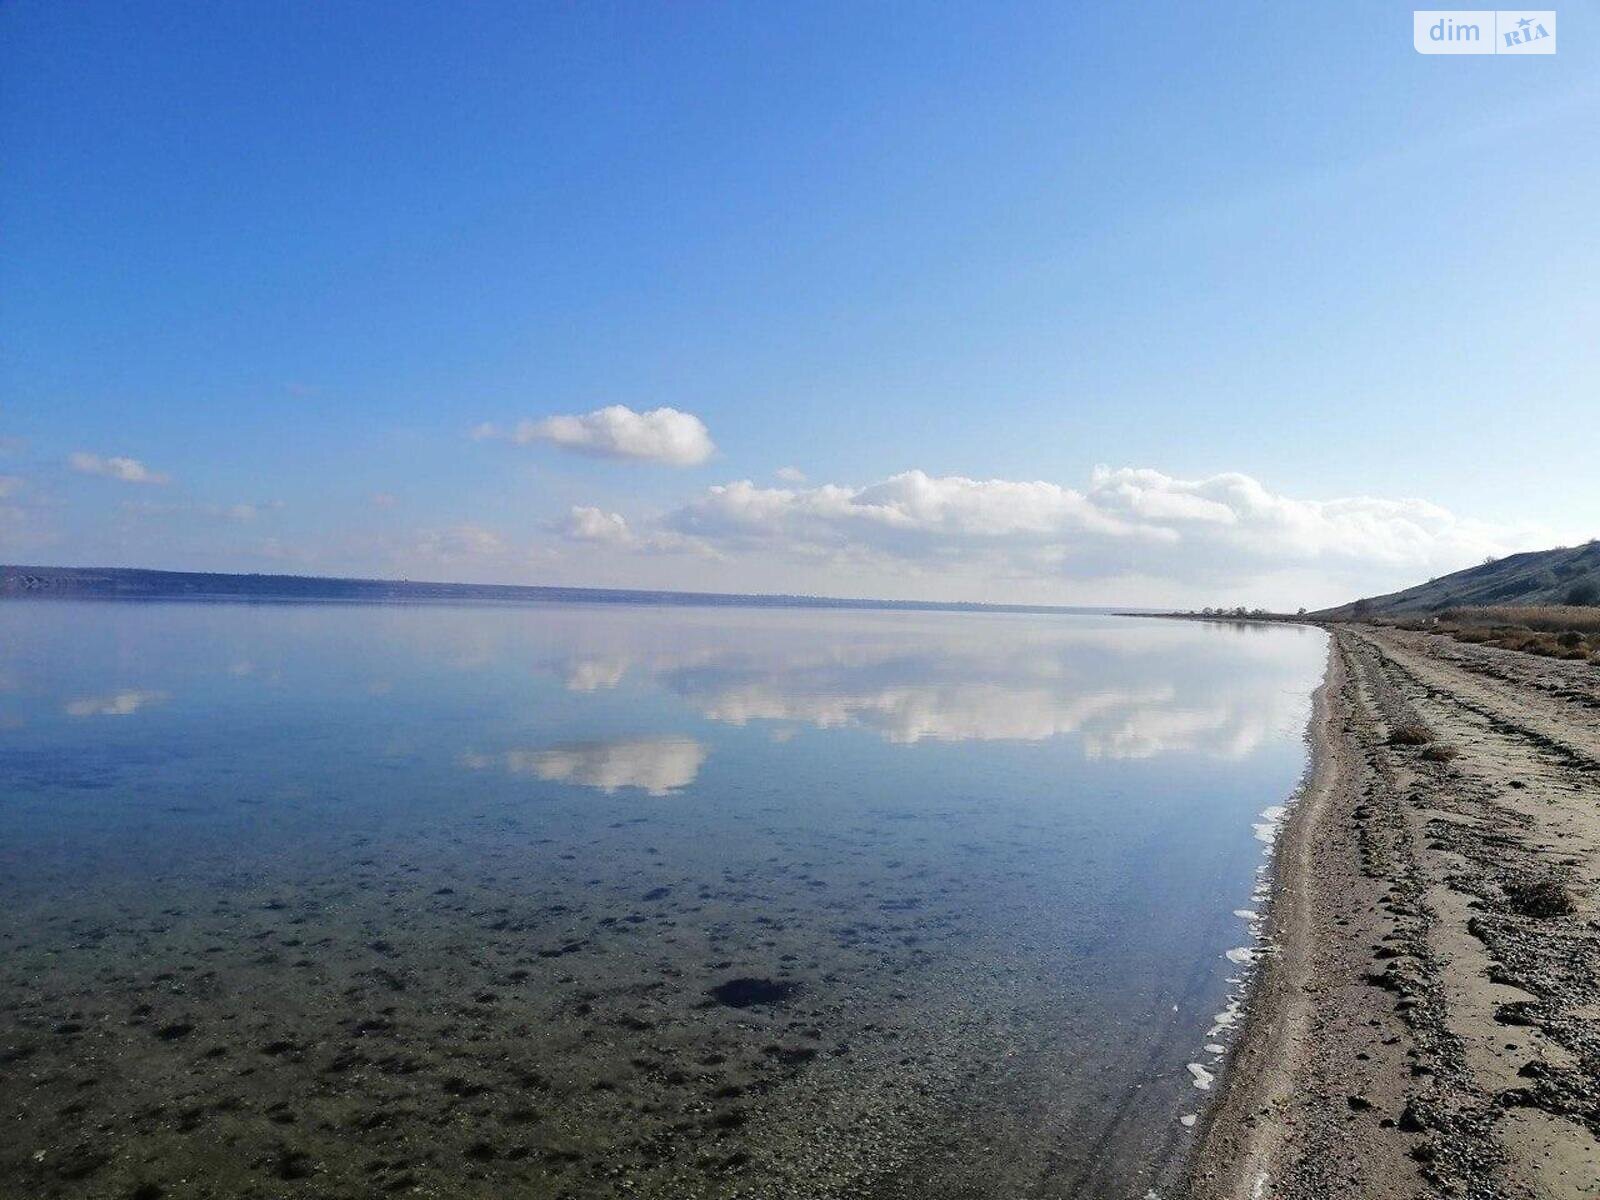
(593, 901)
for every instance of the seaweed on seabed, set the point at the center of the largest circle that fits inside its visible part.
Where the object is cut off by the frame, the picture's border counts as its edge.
(744, 992)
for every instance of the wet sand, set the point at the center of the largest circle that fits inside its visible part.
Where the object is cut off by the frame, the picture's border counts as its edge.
(1429, 1024)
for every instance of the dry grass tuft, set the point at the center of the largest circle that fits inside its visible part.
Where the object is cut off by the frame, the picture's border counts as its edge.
(1440, 753)
(1549, 618)
(1551, 630)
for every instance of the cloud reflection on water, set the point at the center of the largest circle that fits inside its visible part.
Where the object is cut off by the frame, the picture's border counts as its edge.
(118, 704)
(1133, 695)
(658, 766)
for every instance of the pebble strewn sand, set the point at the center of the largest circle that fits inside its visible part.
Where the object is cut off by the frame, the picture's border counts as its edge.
(1431, 1023)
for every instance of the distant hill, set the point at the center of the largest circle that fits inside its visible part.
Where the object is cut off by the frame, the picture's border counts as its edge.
(1565, 575)
(128, 583)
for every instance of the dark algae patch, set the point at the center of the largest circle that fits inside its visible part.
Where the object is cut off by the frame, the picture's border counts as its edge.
(742, 993)
(637, 1067)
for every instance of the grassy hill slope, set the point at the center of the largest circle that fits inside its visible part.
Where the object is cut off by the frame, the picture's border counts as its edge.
(1565, 575)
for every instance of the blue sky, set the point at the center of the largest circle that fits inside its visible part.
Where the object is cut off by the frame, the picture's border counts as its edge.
(1322, 308)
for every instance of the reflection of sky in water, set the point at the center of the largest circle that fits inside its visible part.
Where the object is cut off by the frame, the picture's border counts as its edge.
(632, 698)
(951, 827)
(1138, 693)
(658, 765)
(122, 704)
(1115, 688)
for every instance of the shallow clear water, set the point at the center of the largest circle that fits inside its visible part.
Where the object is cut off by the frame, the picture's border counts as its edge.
(555, 900)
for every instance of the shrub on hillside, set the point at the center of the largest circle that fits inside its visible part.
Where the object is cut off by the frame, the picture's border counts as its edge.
(1550, 617)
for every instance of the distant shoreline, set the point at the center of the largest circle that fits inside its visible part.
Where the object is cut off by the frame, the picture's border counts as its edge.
(1228, 618)
(137, 583)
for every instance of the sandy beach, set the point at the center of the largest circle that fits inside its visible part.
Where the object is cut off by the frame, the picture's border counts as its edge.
(1429, 1023)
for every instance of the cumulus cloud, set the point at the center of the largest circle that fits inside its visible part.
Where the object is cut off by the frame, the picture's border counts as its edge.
(1124, 522)
(909, 507)
(790, 475)
(598, 527)
(124, 470)
(663, 435)
(593, 525)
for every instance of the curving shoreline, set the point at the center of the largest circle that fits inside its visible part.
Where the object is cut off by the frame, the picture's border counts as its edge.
(1233, 1149)
(1418, 1029)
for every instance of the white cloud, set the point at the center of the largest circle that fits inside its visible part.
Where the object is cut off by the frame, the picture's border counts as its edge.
(124, 470)
(663, 435)
(1236, 514)
(598, 527)
(910, 506)
(593, 525)
(1221, 530)
(790, 475)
